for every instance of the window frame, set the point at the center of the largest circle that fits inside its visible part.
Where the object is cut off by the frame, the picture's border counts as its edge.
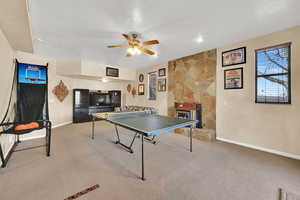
(288, 44)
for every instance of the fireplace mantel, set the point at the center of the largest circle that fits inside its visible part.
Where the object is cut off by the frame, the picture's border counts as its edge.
(187, 106)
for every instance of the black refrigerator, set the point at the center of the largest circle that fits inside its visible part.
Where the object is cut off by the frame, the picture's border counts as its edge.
(81, 101)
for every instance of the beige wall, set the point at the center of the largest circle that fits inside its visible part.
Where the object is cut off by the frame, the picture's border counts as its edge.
(240, 120)
(92, 70)
(161, 102)
(6, 78)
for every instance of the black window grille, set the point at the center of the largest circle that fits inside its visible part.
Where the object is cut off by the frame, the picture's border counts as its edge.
(273, 71)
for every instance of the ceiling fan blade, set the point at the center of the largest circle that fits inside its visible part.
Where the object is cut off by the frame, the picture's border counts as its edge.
(121, 45)
(126, 37)
(147, 51)
(151, 42)
(129, 54)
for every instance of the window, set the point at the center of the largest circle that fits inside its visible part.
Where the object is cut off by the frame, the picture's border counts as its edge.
(152, 78)
(273, 83)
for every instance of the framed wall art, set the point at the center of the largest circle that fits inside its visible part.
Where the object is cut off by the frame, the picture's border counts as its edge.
(162, 72)
(152, 83)
(141, 78)
(129, 88)
(60, 91)
(233, 78)
(162, 85)
(113, 72)
(234, 57)
(141, 89)
(133, 92)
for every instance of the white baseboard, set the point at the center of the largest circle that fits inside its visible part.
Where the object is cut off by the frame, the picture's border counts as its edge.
(43, 135)
(33, 137)
(62, 124)
(289, 155)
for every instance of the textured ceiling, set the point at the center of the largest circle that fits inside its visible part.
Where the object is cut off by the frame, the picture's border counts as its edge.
(81, 29)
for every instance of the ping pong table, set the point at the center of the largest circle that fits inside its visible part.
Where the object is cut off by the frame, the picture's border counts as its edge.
(145, 124)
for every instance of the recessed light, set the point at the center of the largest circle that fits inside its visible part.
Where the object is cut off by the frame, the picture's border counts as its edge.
(199, 39)
(104, 80)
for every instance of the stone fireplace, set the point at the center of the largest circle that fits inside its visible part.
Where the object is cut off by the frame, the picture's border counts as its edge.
(192, 83)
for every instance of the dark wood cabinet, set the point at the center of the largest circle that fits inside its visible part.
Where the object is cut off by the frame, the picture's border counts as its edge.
(115, 96)
(82, 108)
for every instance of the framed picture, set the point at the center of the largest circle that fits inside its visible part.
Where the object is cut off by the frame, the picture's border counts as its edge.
(162, 85)
(152, 81)
(141, 78)
(141, 89)
(234, 57)
(113, 72)
(162, 72)
(233, 78)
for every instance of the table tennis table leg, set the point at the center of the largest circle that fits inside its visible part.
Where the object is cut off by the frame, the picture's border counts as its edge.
(133, 140)
(129, 148)
(93, 127)
(151, 139)
(191, 139)
(143, 176)
(118, 137)
(2, 157)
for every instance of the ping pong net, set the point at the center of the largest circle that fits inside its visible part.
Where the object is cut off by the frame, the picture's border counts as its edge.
(120, 115)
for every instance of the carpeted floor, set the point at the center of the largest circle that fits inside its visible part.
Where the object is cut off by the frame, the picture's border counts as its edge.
(214, 171)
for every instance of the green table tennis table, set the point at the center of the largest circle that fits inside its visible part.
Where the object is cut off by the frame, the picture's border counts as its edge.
(145, 124)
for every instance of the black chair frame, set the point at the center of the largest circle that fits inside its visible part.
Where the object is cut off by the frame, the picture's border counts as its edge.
(11, 131)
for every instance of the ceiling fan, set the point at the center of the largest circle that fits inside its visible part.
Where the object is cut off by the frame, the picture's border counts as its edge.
(135, 46)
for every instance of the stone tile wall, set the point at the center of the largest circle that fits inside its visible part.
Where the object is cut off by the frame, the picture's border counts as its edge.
(192, 79)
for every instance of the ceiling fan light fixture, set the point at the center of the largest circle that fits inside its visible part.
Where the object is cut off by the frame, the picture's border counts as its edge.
(131, 51)
(134, 51)
(135, 46)
(137, 51)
